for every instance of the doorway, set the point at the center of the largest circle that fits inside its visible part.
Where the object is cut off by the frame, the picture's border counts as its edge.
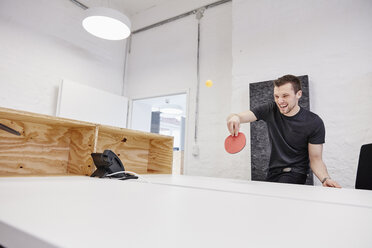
(166, 115)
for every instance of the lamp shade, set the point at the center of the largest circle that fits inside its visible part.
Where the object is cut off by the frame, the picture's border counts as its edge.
(106, 23)
(171, 109)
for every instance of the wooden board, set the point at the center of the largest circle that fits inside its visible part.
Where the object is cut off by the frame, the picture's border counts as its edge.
(160, 156)
(24, 116)
(57, 146)
(130, 132)
(133, 151)
(41, 149)
(80, 161)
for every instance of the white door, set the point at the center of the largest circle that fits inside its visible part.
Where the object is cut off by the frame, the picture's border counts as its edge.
(165, 115)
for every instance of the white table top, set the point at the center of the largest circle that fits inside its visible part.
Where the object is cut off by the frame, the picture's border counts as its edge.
(89, 212)
(345, 196)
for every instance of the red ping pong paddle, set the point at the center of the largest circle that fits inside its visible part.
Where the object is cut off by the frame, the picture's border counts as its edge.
(234, 144)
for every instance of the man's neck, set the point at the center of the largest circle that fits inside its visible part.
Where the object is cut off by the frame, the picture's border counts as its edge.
(293, 112)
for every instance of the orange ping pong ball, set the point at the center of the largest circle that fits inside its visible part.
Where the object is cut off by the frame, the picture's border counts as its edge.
(208, 83)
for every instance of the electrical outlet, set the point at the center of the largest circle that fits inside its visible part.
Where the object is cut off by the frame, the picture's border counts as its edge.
(195, 150)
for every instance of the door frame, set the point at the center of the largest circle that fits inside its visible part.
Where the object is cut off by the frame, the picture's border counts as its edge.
(187, 114)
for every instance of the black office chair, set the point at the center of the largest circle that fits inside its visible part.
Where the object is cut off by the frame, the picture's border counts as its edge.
(364, 173)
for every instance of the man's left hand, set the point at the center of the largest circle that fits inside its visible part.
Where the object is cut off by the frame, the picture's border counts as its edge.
(331, 183)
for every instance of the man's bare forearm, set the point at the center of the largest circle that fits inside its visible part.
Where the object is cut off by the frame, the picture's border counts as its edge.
(319, 169)
(244, 117)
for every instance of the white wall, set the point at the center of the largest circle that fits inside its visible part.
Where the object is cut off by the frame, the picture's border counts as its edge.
(328, 40)
(43, 42)
(163, 60)
(214, 102)
(81, 102)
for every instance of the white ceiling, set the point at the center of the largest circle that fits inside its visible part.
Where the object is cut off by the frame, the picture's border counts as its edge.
(133, 7)
(146, 12)
(129, 7)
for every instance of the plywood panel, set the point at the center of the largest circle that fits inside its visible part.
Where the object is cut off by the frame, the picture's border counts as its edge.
(133, 150)
(160, 156)
(82, 142)
(41, 149)
(16, 115)
(130, 132)
(57, 146)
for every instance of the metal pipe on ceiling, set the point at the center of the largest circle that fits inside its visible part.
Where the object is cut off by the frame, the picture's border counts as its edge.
(180, 16)
(79, 4)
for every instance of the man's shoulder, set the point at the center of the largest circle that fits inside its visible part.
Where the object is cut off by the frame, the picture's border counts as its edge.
(264, 110)
(311, 117)
(270, 104)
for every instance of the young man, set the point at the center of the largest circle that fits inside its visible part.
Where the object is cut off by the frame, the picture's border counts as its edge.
(296, 135)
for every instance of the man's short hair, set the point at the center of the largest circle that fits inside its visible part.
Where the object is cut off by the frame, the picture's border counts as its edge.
(296, 83)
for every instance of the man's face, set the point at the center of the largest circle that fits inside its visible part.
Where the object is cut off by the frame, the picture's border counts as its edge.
(286, 99)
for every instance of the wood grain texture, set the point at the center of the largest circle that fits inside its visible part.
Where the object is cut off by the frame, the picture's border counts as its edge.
(23, 116)
(80, 161)
(41, 149)
(130, 132)
(57, 146)
(160, 156)
(133, 151)
(96, 129)
(178, 164)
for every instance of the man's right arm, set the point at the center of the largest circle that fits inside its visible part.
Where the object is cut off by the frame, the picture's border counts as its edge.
(234, 120)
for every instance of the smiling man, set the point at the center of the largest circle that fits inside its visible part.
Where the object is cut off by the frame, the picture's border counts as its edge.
(296, 135)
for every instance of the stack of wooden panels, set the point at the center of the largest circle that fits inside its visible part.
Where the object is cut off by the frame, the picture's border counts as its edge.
(50, 145)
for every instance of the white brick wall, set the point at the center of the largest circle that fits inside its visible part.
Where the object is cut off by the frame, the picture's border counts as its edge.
(43, 42)
(328, 40)
(168, 63)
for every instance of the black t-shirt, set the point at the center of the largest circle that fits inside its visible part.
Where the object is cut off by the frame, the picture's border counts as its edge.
(290, 136)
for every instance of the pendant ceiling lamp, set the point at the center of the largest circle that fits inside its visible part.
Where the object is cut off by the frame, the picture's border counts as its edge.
(106, 23)
(171, 109)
